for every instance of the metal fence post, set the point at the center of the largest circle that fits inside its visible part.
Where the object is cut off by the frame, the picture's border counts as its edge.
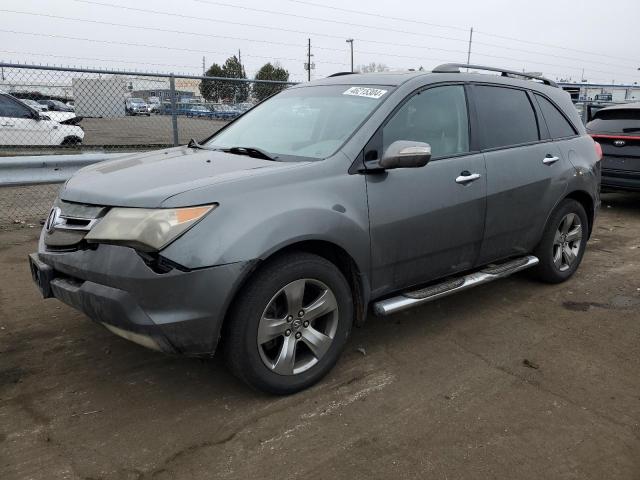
(174, 108)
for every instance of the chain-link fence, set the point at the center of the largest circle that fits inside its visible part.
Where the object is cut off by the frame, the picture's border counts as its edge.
(46, 110)
(67, 109)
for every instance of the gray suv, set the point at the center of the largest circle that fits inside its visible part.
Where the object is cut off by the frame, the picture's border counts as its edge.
(346, 195)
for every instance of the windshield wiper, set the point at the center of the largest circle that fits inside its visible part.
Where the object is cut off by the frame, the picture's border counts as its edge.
(633, 129)
(250, 151)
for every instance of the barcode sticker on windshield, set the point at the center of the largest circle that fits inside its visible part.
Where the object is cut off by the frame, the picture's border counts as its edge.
(365, 92)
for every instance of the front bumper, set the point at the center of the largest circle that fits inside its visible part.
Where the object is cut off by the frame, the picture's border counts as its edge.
(176, 312)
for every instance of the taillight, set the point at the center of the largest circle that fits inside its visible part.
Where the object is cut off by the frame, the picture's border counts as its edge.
(598, 148)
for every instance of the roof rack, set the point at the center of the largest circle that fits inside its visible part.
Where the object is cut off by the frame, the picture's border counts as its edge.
(339, 74)
(455, 68)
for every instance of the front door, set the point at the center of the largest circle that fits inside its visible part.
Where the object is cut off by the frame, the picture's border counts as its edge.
(426, 222)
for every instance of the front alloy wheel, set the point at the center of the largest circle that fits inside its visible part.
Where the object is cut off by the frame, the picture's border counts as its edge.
(298, 326)
(289, 324)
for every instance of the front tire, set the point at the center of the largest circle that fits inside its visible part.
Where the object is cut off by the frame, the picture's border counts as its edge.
(563, 242)
(289, 324)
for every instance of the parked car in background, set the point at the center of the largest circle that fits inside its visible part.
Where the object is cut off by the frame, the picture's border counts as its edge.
(136, 106)
(224, 112)
(56, 105)
(22, 125)
(617, 129)
(154, 104)
(35, 105)
(274, 236)
(199, 111)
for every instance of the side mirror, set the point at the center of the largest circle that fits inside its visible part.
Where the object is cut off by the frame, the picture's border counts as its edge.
(406, 154)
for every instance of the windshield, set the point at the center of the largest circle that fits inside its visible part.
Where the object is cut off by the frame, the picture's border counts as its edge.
(310, 122)
(137, 100)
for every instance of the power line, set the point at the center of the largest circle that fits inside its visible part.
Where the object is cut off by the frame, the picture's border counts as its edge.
(142, 27)
(316, 19)
(419, 22)
(164, 47)
(13, 52)
(377, 15)
(111, 5)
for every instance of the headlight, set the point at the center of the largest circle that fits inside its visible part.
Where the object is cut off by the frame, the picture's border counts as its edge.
(146, 229)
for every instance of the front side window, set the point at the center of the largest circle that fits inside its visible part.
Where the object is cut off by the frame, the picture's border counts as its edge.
(11, 108)
(308, 122)
(505, 117)
(558, 126)
(437, 116)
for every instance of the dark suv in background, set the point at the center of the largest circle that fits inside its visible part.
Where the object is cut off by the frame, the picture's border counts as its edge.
(275, 235)
(617, 130)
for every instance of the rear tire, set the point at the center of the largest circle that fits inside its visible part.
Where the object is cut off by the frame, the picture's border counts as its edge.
(563, 243)
(289, 324)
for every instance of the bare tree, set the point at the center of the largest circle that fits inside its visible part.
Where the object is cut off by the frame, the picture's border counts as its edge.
(372, 67)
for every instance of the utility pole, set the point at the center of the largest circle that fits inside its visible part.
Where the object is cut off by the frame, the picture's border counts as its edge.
(469, 50)
(239, 58)
(309, 61)
(203, 66)
(350, 40)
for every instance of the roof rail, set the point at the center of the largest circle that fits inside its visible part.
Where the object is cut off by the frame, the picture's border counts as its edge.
(455, 68)
(339, 74)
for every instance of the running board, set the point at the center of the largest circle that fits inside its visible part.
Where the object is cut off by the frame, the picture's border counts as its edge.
(485, 275)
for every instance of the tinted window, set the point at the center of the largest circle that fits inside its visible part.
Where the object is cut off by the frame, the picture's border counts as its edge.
(558, 125)
(11, 108)
(437, 116)
(617, 120)
(505, 117)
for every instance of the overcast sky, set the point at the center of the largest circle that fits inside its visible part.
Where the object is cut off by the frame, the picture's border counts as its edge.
(601, 37)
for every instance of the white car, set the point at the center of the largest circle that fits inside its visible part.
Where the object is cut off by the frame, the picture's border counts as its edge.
(35, 105)
(24, 126)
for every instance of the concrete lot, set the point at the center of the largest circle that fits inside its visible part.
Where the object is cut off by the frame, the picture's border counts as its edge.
(514, 380)
(152, 130)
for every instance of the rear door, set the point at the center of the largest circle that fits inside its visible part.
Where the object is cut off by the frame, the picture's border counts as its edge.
(426, 222)
(526, 171)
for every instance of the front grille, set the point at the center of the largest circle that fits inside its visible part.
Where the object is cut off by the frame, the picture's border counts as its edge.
(66, 230)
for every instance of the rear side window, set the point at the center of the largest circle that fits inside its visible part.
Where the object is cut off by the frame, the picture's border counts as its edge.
(505, 117)
(617, 120)
(11, 108)
(559, 126)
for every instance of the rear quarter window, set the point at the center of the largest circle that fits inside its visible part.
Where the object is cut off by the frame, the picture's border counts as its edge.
(559, 126)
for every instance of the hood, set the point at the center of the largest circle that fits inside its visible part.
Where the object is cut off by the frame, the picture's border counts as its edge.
(58, 116)
(147, 179)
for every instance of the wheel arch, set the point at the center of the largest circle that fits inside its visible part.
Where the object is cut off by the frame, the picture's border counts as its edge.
(586, 200)
(330, 251)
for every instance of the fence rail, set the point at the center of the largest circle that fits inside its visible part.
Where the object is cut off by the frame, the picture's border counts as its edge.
(44, 169)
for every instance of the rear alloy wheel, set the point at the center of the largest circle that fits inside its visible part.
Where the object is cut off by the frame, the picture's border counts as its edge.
(289, 324)
(563, 242)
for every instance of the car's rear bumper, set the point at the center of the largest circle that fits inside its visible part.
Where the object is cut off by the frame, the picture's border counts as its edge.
(176, 312)
(620, 180)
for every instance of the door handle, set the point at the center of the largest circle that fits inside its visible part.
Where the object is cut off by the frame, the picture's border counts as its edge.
(550, 160)
(8, 124)
(466, 177)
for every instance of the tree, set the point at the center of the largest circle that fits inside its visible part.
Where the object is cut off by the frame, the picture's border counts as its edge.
(270, 72)
(211, 90)
(235, 91)
(372, 67)
(216, 90)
